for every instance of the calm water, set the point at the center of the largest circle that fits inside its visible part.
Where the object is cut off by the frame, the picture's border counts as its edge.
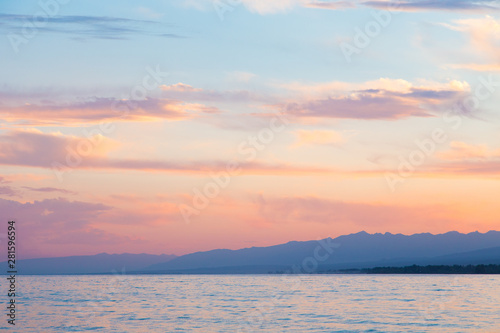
(257, 303)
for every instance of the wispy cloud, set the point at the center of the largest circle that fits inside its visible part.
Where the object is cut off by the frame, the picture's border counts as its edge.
(388, 99)
(37, 149)
(49, 190)
(332, 5)
(484, 37)
(94, 110)
(91, 27)
(73, 220)
(465, 151)
(8, 191)
(265, 7)
(371, 105)
(432, 5)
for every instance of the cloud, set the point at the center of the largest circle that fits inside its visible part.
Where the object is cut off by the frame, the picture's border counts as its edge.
(49, 190)
(36, 149)
(433, 5)
(484, 33)
(45, 224)
(270, 7)
(60, 154)
(4, 181)
(317, 137)
(340, 88)
(180, 87)
(382, 99)
(264, 7)
(465, 151)
(362, 106)
(332, 5)
(8, 191)
(461, 160)
(484, 37)
(365, 105)
(98, 110)
(90, 27)
(476, 167)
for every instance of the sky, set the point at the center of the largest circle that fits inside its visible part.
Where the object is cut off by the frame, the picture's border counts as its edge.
(175, 126)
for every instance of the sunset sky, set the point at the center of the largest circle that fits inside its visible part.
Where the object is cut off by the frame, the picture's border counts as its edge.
(174, 126)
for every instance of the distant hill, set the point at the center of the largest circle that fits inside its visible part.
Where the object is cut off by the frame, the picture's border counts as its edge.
(483, 256)
(430, 269)
(99, 263)
(360, 250)
(354, 251)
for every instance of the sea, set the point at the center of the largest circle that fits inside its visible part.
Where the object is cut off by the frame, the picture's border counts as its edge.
(254, 303)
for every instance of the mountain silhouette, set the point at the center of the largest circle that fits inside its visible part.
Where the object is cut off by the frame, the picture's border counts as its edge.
(354, 251)
(99, 263)
(357, 250)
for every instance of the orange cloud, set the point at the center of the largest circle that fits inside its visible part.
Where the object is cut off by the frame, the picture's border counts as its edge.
(179, 87)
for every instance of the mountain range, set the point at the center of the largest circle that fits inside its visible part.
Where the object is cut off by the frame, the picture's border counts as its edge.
(99, 263)
(359, 250)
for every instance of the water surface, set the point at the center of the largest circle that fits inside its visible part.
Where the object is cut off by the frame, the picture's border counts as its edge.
(257, 303)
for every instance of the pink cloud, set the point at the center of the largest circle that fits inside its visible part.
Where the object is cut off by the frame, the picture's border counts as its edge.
(8, 191)
(49, 190)
(42, 224)
(37, 149)
(103, 109)
(388, 100)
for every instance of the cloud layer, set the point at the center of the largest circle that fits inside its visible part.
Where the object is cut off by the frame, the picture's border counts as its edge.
(88, 27)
